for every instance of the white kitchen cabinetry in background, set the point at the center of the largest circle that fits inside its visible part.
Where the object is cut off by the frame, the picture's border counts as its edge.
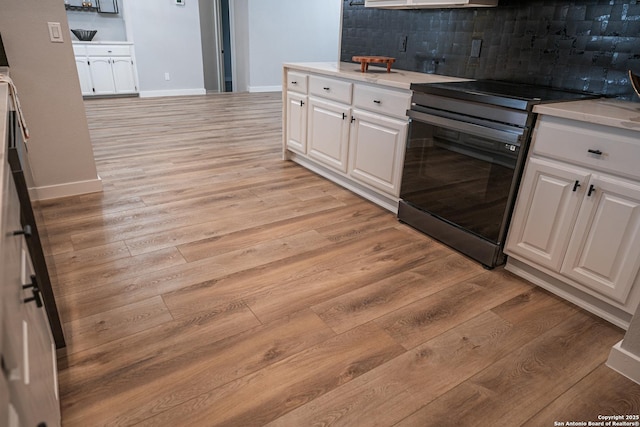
(576, 224)
(105, 69)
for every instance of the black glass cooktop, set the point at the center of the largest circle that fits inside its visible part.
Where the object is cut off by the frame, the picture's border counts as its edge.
(507, 94)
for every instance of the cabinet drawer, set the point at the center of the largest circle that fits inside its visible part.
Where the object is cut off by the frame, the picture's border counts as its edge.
(599, 147)
(79, 50)
(337, 90)
(297, 82)
(108, 51)
(384, 101)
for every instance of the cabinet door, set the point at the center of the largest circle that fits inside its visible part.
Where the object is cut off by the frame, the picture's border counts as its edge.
(40, 356)
(297, 122)
(377, 145)
(28, 351)
(604, 253)
(328, 133)
(84, 75)
(102, 76)
(123, 75)
(546, 209)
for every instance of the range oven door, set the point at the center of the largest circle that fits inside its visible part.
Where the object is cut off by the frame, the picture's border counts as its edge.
(462, 171)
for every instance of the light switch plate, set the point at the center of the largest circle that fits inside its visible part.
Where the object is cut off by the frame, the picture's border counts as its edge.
(55, 32)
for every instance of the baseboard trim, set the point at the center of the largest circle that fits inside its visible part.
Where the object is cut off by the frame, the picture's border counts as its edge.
(624, 362)
(66, 190)
(255, 89)
(173, 92)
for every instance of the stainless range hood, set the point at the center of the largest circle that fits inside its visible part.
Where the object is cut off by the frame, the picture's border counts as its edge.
(428, 4)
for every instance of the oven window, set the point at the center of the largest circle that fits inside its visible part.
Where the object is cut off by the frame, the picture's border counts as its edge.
(461, 178)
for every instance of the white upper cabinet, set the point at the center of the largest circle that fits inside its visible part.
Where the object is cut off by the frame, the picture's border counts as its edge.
(426, 4)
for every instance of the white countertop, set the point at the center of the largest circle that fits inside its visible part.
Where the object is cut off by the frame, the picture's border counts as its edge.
(603, 111)
(400, 79)
(100, 42)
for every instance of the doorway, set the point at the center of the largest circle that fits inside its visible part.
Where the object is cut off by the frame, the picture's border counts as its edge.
(216, 45)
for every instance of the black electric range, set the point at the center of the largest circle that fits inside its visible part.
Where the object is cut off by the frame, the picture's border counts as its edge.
(465, 154)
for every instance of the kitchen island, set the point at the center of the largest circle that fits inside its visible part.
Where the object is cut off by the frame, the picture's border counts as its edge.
(349, 126)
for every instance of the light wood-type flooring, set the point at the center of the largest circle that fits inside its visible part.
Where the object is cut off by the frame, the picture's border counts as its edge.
(213, 283)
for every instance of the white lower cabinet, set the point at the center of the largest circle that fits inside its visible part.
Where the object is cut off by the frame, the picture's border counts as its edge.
(123, 75)
(84, 75)
(377, 145)
(296, 122)
(328, 133)
(579, 227)
(349, 132)
(604, 250)
(101, 75)
(105, 69)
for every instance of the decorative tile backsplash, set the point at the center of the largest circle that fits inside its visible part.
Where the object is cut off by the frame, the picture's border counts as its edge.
(580, 45)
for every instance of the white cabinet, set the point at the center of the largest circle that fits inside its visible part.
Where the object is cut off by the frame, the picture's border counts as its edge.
(101, 75)
(28, 377)
(428, 4)
(577, 223)
(84, 75)
(296, 112)
(377, 145)
(109, 69)
(26, 345)
(328, 133)
(297, 122)
(123, 75)
(548, 203)
(604, 249)
(348, 131)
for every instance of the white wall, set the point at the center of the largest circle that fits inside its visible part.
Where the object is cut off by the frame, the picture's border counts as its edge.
(270, 32)
(167, 40)
(60, 155)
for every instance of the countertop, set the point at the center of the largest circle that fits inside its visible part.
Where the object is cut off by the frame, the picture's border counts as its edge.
(607, 112)
(100, 42)
(400, 79)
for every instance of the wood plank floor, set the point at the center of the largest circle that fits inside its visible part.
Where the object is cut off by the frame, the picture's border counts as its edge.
(212, 283)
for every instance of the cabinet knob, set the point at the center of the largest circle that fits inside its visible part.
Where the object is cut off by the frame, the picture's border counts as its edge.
(592, 189)
(596, 152)
(326, 88)
(294, 83)
(353, 119)
(377, 101)
(301, 103)
(576, 185)
(344, 116)
(26, 231)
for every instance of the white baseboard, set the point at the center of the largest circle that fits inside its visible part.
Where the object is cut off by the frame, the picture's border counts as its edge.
(624, 362)
(254, 89)
(65, 190)
(173, 92)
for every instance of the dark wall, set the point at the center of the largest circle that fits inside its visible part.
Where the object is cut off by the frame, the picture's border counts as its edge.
(583, 45)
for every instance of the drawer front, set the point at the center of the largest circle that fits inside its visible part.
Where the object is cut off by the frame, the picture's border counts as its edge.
(337, 90)
(79, 50)
(297, 82)
(383, 101)
(108, 51)
(598, 147)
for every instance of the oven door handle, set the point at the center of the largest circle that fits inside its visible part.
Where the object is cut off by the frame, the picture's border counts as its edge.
(470, 128)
